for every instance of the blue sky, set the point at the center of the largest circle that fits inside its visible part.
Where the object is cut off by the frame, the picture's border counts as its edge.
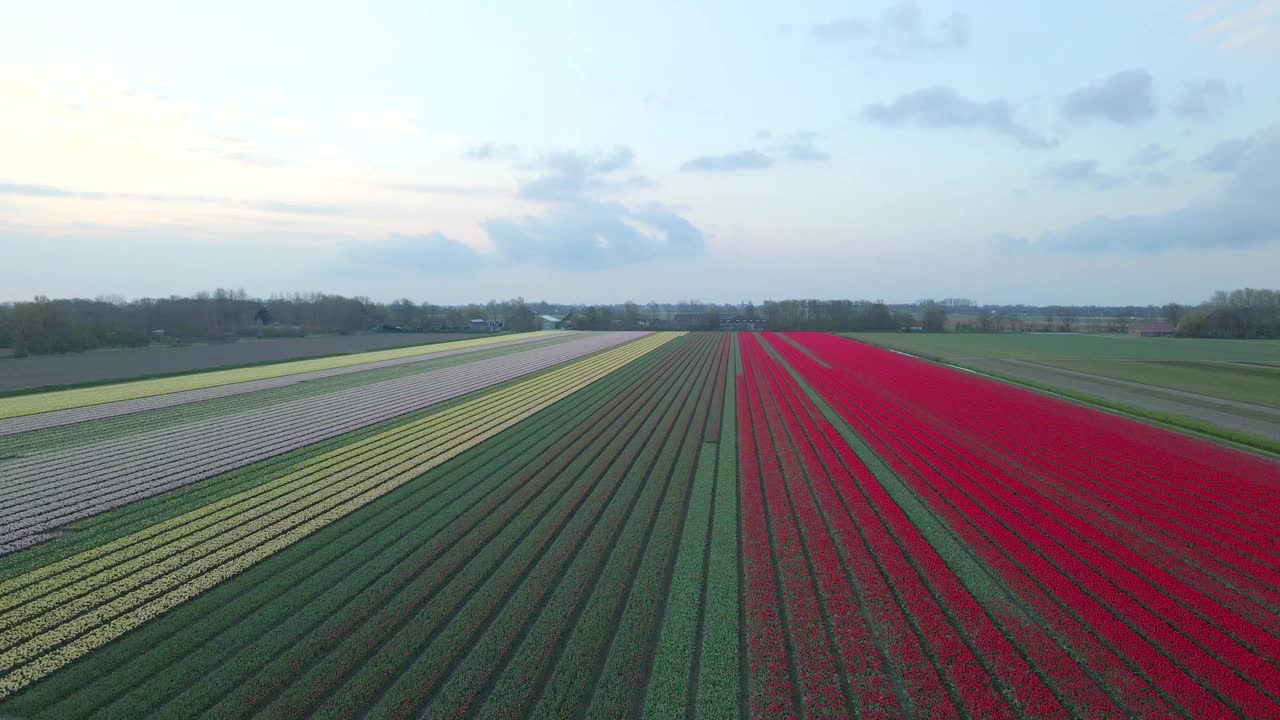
(1009, 152)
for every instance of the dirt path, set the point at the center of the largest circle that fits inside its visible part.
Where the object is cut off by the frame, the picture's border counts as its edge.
(1197, 397)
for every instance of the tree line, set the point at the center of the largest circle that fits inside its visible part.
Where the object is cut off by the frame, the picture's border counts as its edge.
(1242, 313)
(73, 325)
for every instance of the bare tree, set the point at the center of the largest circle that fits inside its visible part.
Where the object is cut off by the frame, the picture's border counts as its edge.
(933, 317)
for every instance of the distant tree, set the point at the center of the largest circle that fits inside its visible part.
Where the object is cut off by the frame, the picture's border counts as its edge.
(986, 321)
(6, 323)
(454, 319)
(879, 317)
(933, 317)
(518, 316)
(263, 316)
(586, 319)
(1191, 324)
(630, 316)
(594, 317)
(1172, 312)
(404, 313)
(38, 328)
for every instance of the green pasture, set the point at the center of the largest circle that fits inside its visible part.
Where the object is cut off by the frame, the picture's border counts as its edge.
(1048, 347)
(1239, 370)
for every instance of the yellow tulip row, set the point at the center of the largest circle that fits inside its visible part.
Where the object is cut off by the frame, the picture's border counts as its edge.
(53, 615)
(81, 397)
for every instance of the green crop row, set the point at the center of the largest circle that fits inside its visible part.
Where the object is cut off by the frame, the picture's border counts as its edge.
(572, 632)
(566, 563)
(45, 642)
(479, 570)
(614, 646)
(668, 692)
(209, 647)
(719, 670)
(624, 674)
(696, 661)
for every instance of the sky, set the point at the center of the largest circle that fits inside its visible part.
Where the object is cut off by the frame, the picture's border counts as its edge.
(1041, 153)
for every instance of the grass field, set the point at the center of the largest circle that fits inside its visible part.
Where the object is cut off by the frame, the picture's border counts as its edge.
(637, 525)
(1044, 347)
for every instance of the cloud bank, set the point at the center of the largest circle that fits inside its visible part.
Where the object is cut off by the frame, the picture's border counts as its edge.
(800, 147)
(729, 162)
(1204, 100)
(793, 147)
(942, 107)
(900, 30)
(1242, 214)
(1149, 155)
(1226, 156)
(1081, 172)
(1126, 98)
(577, 230)
(430, 254)
(588, 235)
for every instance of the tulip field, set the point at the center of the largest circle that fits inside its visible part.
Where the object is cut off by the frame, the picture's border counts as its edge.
(625, 524)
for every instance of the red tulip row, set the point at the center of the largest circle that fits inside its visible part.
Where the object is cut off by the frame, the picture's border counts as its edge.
(1171, 479)
(770, 688)
(1139, 526)
(1211, 627)
(1015, 675)
(805, 478)
(875, 575)
(867, 584)
(1060, 501)
(1206, 537)
(1058, 623)
(815, 666)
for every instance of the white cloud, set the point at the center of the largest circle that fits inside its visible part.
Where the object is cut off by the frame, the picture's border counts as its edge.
(901, 30)
(230, 114)
(117, 159)
(1251, 27)
(388, 120)
(286, 126)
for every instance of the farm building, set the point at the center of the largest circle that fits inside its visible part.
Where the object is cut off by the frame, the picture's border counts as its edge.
(741, 323)
(1158, 328)
(550, 322)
